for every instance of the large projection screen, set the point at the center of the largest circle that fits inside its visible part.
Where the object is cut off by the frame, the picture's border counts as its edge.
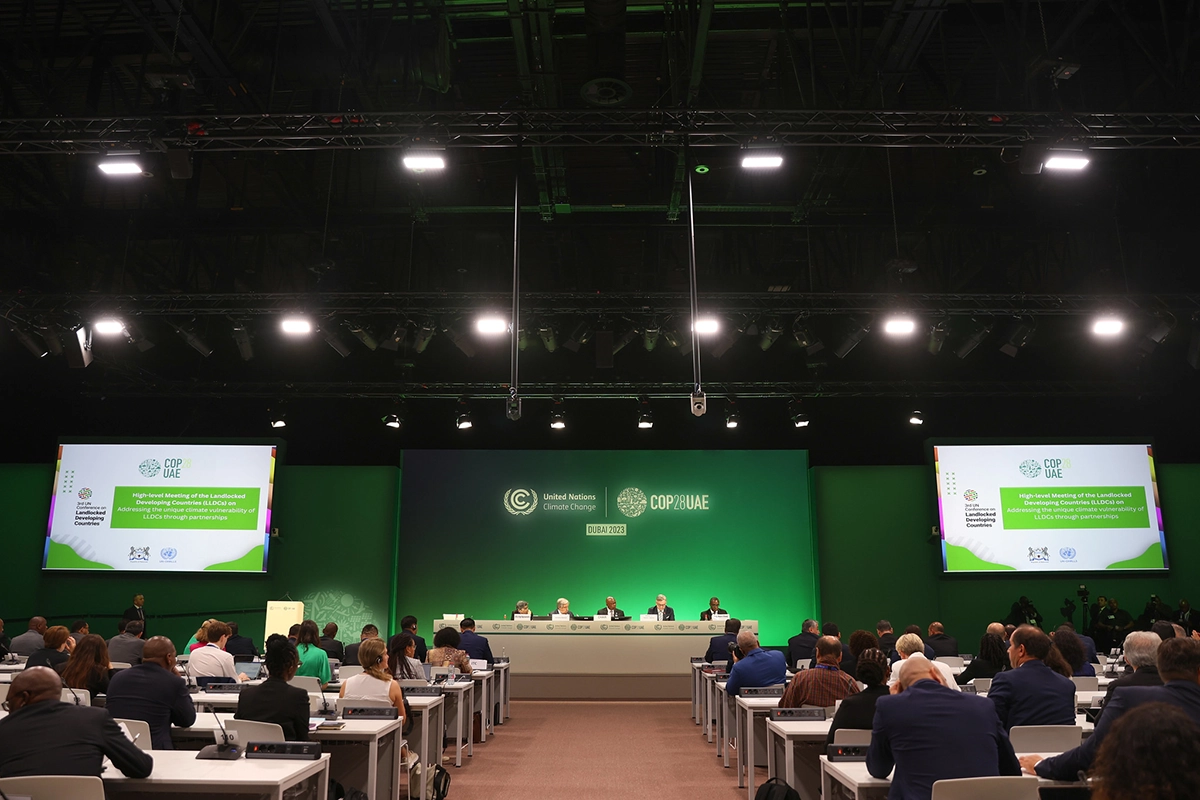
(167, 507)
(1049, 507)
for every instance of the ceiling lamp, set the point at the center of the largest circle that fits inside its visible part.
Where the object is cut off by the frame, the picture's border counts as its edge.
(916, 418)
(120, 167)
(1068, 158)
(899, 326)
(109, 326)
(645, 416)
(1108, 326)
(706, 326)
(491, 326)
(424, 158)
(558, 415)
(462, 417)
(733, 417)
(296, 326)
(797, 415)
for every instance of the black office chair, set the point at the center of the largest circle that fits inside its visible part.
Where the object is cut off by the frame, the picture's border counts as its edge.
(242, 658)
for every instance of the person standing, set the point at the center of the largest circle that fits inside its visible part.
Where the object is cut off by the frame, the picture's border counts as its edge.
(1113, 624)
(136, 611)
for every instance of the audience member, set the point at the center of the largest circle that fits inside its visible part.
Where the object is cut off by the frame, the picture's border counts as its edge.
(910, 645)
(239, 645)
(926, 650)
(661, 610)
(718, 646)
(1072, 652)
(886, 636)
(200, 637)
(1112, 625)
(928, 733)
(941, 643)
(476, 646)
(401, 650)
(1165, 630)
(4, 641)
(756, 667)
(445, 652)
(375, 682)
(1008, 631)
(714, 607)
(79, 629)
(210, 660)
(1145, 753)
(1181, 633)
(274, 700)
(369, 631)
(31, 639)
(128, 645)
(1179, 668)
(848, 661)
(824, 683)
(801, 646)
(44, 736)
(1141, 654)
(56, 648)
(409, 624)
(294, 633)
(858, 710)
(314, 662)
(1089, 644)
(862, 640)
(998, 628)
(152, 692)
(330, 644)
(1031, 693)
(992, 659)
(88, 667)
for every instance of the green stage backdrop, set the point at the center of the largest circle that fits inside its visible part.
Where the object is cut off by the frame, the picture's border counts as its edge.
(489, 528)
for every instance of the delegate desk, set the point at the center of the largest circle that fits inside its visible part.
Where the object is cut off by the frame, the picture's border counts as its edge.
(583, 659)
(179, 773)
(850, 778)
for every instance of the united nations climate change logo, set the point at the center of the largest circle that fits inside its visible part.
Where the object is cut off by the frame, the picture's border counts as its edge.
(631, 502)
(970, 495)
(521, 502)
(1030, 468)
(149, 468)
(85, 493)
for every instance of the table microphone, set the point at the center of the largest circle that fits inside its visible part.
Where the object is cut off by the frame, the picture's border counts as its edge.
(72, 691)
(325, 706)
(226, 751)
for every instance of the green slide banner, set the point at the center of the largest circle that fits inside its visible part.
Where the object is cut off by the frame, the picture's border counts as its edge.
(185, 507)
(1071, 507)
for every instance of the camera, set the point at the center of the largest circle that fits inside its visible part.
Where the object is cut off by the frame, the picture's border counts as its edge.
(699, 404)
(1082, 591)
(736, 651)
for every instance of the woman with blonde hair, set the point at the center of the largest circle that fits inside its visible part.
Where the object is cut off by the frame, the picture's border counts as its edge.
(200, 637)
(375, 682)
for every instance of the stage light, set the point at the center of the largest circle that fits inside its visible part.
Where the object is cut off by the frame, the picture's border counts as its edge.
(1019, 335)
(188, 334)
(1108, 326)
(456, 335)
(425, 332)
(243, 339)
(334, 340)
(558, 415)
(650, 336)
(296, 326)
(547, 335)
(120, 167)
(979, 332)
(29, 342)
(1160, 328)
(1066, 158)
(462, 417)
(137, 337)
(706, 326)
(804, 337)
(937, 338)
(625, 339)
(363, 334)
(645, 415)
(50, 335)
(581, 335)
(733, 417)
(797, 415)
(77, 344)
(762, 156)
(392, 420)
(859, 331)
(277, 416)
(420, 159)
(491, 326)
(916, 418)
(1193, 351)
(108, 326)
(899, 326)
(772, 329)
(397, 336)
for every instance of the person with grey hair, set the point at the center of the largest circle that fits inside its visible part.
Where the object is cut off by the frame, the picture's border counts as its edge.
(522, 608)
(756, 667)
(660, 609)
(909, 645)
(127, 646)
(1141, 654)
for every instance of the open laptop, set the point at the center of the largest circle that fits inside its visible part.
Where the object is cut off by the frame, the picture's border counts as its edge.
(250, 668)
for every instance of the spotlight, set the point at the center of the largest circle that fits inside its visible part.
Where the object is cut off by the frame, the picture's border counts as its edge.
(758, 156)
(706, 326)
(137, 337)
(772, 329)
(728, 339)
(398, 335)
(916, 418)
(733, 417)
(120, 167)
(462, 417)
(243, 339)
(805, 337)
(1193, 351)
(425, 158)
(29, 342)
(188, 334)
(650, 335)
(393, 421)
(50, 335)
(581, 335)
(77, 343)
(979, 332)
(899, 326)
(425, 332)
(109, 326)
(363, 334)
(334, 340)
(491, 326)
(937, 338)
(277, 416)
(1066, 158)
(455, 334)
(558, 415)
(1161, 326)
(549, 338)
(1108, 326)
(1019, 335)
(859, 331)
(625, 339)
(645, 415)
(296, 326)
(797, 415)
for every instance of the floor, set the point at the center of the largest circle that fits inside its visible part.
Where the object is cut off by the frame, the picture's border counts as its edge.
(593, 750)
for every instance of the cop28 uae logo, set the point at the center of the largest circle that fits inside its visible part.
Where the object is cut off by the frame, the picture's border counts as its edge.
(521, 502)
(1030, 468)
(149, 468)
(631, 502)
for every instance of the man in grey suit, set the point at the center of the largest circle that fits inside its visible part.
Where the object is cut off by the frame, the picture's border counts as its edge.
(31, 639)
(127, 647)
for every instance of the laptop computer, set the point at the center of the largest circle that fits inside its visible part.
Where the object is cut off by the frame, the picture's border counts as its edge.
(250, 669)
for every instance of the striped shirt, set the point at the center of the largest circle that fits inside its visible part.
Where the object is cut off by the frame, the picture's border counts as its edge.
(823, 685)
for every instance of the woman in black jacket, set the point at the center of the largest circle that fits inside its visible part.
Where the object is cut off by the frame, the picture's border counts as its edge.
(858, 710)
(992, 659)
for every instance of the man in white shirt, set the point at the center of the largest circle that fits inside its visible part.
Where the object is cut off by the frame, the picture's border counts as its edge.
(211, 660)
(911, 646)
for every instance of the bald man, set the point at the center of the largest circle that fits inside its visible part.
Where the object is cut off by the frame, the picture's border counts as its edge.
(44, 736)
(30, 640)
(152, 692)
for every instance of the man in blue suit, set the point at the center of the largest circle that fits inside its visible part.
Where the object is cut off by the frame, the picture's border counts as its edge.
(929, 733)
(718, 646)
(1031, 693)
(473, 644)
(757, 667)
(1178, 666)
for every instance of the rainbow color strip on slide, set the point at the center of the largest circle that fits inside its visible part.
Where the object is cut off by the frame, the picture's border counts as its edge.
(1162, 533)
(53, 500)
(270, 502)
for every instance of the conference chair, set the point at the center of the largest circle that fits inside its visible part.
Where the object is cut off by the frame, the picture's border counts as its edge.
(853, 737)
(349, 671)
(982, 685)
(802, 664)
(342, 702)
(246, 731)
(1086, 683)
(1002, 787)
(54, 787)
(307, 683)
(121, 665)
(954, 662)
(80, 697)
(243, 658)
(3, 692)
(140, 730)
(1045, 738)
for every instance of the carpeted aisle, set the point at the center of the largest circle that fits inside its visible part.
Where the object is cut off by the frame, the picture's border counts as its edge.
(594, 750)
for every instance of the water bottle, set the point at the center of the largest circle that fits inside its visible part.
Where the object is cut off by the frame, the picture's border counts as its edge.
(504, 653)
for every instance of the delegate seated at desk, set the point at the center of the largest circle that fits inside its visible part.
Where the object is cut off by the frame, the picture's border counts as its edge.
(758, 667)
(610, 608)
(275, 700)
(152, 692)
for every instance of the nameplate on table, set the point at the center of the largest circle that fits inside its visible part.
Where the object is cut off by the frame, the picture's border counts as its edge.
(560, 617)
(597, 625)
(522, 617)
(798, 714)
(719, 617)
(762, 691)
(649, 618)
(602, 618)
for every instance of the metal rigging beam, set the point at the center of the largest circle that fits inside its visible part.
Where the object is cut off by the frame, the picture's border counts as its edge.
(597, 128)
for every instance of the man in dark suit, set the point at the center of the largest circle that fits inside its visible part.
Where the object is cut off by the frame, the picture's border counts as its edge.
(136, 611)
(801, 646)
(941, 644)
(4, 640)
(330, 644)
(1185, 618)
(1178, 666)
(152, 692)
(239, 645)
(472, 643)
(718, 646)
(274, 700)
(610, 608)
(930, 733)
(1141, 654)
(1031, 693)
(409, 624)
(886, 636)
(660, 609)
(44, 736)
(714, 607)
(369, 631)
(128, 645)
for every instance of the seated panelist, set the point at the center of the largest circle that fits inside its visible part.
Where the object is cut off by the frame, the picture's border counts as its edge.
(564, 607)
(660, 608)
(714, 607)
(522, 608)
(610, 608)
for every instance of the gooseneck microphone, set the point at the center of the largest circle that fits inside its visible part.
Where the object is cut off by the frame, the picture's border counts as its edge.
(226, 751)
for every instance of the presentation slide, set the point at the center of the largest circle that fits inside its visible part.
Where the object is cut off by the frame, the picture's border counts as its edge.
(481, 530)
(161, 507)
(1049, 507)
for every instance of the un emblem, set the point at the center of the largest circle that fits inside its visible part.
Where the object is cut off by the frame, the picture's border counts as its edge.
(521, 502)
